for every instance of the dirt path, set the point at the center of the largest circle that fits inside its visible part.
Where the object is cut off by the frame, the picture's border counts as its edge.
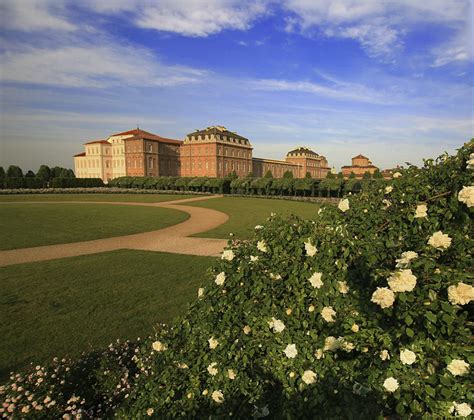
(173, 239)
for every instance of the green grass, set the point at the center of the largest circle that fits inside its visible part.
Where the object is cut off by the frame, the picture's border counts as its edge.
(246, 213)
(63, 307)
(143, 198)
(28, 225)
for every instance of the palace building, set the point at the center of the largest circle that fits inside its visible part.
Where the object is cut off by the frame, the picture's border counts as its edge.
(213, 152)
(360, 165)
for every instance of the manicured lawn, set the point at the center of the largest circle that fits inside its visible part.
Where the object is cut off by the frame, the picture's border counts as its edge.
(63, 307)
(28, 225)
(246, 213)
(143, 198)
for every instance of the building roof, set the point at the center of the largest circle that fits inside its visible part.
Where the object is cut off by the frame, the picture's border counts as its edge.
(98, 141)
(359, 166)
(359, 156)
(80, 154)
(138, 134)
(278, 162)
(303, 149)
(218, 129)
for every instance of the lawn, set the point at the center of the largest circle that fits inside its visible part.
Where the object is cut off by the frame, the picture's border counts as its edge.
(28, 225)
(63, 307)
(143, 198)
(246, 213)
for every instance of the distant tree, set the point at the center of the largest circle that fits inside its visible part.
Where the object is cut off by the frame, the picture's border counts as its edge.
(14, 171)
(44, 173)
(250, 175)
(56, 172)
(367, 175)
(340, 175)
(70, 173)
(288, 174)
(377, 174)
(64, 173)
(308, 175)
(30, 174)
(330, 175)
(2, 177)
(268, 174)
(352, 175)
(232, 175)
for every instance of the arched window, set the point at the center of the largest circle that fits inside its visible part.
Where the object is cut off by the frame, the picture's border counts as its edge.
(150, 162)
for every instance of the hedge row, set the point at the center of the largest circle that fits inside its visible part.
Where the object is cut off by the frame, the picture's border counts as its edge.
(36, 183)
(305, 187)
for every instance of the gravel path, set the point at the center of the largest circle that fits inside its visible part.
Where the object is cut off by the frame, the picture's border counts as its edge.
(174, 239)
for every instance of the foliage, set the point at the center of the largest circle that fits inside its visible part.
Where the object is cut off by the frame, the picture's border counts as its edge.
(289, 174)
(268, 174)
(295, 323)
(76, 183)
(14, 171)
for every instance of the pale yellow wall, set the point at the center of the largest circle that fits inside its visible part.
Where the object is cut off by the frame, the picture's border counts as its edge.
(118, 163)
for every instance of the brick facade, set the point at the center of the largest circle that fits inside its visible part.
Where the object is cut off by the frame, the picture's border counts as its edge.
(308, 161)
(360, 165)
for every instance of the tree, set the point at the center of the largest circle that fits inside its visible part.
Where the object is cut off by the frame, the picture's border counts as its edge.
(268, 174)
(30, 174)
(288, 174)
(56, 172)
(308, 175)
(377, 174)
(2, 177)
(70, 173)
(250, 175)
(330, 175)
(352, 175)
(367, 175)
(340, 175)
(232, 175)
(14, 171)
(44, 173)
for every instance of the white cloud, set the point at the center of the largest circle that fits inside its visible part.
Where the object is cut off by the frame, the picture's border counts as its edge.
(90, 65)
(457, 50)
(34, 15)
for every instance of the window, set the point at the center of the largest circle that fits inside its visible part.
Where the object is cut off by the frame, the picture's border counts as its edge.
(150, 162)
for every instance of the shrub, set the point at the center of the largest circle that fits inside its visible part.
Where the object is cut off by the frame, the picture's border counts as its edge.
(359, 313)
(76, 183)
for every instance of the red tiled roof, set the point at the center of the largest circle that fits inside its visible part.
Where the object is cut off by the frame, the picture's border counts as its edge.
(359, 156)
(98, 141)
(80, 154)
(142, 134)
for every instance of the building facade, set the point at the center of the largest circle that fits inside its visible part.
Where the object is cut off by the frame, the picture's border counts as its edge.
(360, 165)
(214, 152)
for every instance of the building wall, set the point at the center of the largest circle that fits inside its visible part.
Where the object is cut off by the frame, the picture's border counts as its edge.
(168, 159)
(277, 168)
(97, 163)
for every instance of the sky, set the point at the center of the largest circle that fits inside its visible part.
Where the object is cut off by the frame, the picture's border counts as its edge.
(392, 80)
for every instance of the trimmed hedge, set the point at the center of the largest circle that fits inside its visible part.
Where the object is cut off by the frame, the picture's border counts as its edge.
(76, 183)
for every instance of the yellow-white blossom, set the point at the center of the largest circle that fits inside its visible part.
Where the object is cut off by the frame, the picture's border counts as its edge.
(460, 294)
(405, 258)
(383, 297)
(231, 374)
(276, 325)
(228, 255)
(343, 287)
(150, 412)
(258, 227)
(292, 374)
(158, 346)
(328, 314)
(332, 343)
(319, 354)
(213, 343)
(220, 279)
(384, 355)
(289, 311)
(390, 384)
(247, 330)
(290, 351)
(355, 328)
(347, 346)
(386, 203)
(311, 308)
(388, 189)
(407, 357)
(200, 292)
(316, 281)
(397, 175)
(308, 377)
(458, 367)
(218, 397)
(440, 240)
(310, 248)
(262, 246)
(275, 276)
(402, 281)
(253, 258)
(460, 410)
(212, 369)
(343, 205)
(466, 196)
(421, 211)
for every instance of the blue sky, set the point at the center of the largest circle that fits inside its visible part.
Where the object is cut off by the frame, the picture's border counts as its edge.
(392, 80)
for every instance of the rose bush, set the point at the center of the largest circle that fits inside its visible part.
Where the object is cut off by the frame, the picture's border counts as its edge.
(359, 313)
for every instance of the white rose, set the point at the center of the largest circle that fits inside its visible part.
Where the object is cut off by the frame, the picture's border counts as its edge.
(319, 354)
(343, 287)
(461, 294)
(343, 205)
(309, 377)
(277, 325)
(213, 343)
(407, 357)
(228, 255)
(397, 175)
(290, 351)
(258, 227)
(466, 196)
(158, 346)
(405, 258)
(461, 410)
(421, 211)
(458, 367)
(316, 281)
(231, 374)
(328, 314)
(388, 189)
(150, 412)
(247, 330)
(200, 292)
(310, 248)
(311, 308)
(470, 162)
(220, 279)
(212, 369)
(218, 397)
(402, 281)
(355, 328)
(440, 240)
(383, 297)
(384, 355)
(390, 384)
(253, 258)
(262, 246)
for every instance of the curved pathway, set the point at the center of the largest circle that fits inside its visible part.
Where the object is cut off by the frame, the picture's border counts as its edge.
(174, 239)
